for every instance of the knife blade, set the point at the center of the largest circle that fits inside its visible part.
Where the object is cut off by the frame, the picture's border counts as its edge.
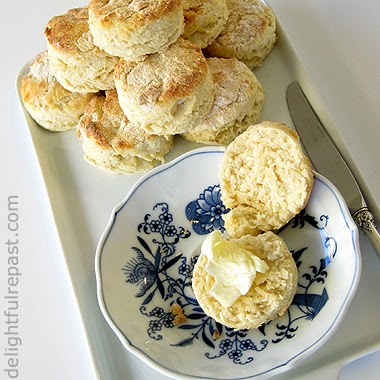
(328, 161)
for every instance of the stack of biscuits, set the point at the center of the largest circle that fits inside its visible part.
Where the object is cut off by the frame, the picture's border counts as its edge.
(131, 75)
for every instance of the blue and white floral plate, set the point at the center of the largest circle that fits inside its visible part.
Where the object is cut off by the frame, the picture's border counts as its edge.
(146, 255)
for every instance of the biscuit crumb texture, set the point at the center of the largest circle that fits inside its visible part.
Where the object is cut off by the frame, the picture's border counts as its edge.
(270, 294)
(265, 179)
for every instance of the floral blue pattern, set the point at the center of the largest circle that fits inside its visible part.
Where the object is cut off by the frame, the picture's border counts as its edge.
(237, 346)
(151, 274)
(158, 270)
(205, 213)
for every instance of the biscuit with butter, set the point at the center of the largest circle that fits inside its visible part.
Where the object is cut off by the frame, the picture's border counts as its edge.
(269, 294)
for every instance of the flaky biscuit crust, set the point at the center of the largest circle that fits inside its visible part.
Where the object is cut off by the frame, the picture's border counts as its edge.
(135, 11)
(131, 29)
(75, 61)
(204, 20)
(112, 142)
(64, 31)
(249, 33)
(238, 102)
(168, 92)
(52, 106)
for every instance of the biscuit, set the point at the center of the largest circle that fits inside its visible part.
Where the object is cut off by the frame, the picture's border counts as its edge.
(270, 294)
(75, 61)
(238, 102)
(48, 103)
(167, 93)
(114, 144)
(132, 29)
(204, 20)
(265, 179)
(249, 34)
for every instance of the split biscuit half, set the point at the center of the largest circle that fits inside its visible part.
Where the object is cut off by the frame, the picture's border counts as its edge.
(265, 179)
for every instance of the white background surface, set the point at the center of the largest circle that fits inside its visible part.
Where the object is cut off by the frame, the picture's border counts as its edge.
(338, 42)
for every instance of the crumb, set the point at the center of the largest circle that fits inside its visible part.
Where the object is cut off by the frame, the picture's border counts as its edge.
(177, 311)
(216, 334)
(180, 318)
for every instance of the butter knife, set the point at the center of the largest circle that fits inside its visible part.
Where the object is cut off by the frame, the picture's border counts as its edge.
(328, 161)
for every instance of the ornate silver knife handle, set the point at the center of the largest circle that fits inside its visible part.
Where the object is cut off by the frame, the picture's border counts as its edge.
(365, 220)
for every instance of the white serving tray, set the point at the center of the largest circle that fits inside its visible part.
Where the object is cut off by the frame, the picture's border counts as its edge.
(82, 198)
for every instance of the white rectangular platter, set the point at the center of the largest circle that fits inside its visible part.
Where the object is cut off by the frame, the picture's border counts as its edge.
(82, 198)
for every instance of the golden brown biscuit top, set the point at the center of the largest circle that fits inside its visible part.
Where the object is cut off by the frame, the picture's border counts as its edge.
(39, 78)
(105, 123)
(40, 82)
(70, 32)
(235, 84)
(247, 16)
(192, 9)
(132, 12)
(162, 77)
